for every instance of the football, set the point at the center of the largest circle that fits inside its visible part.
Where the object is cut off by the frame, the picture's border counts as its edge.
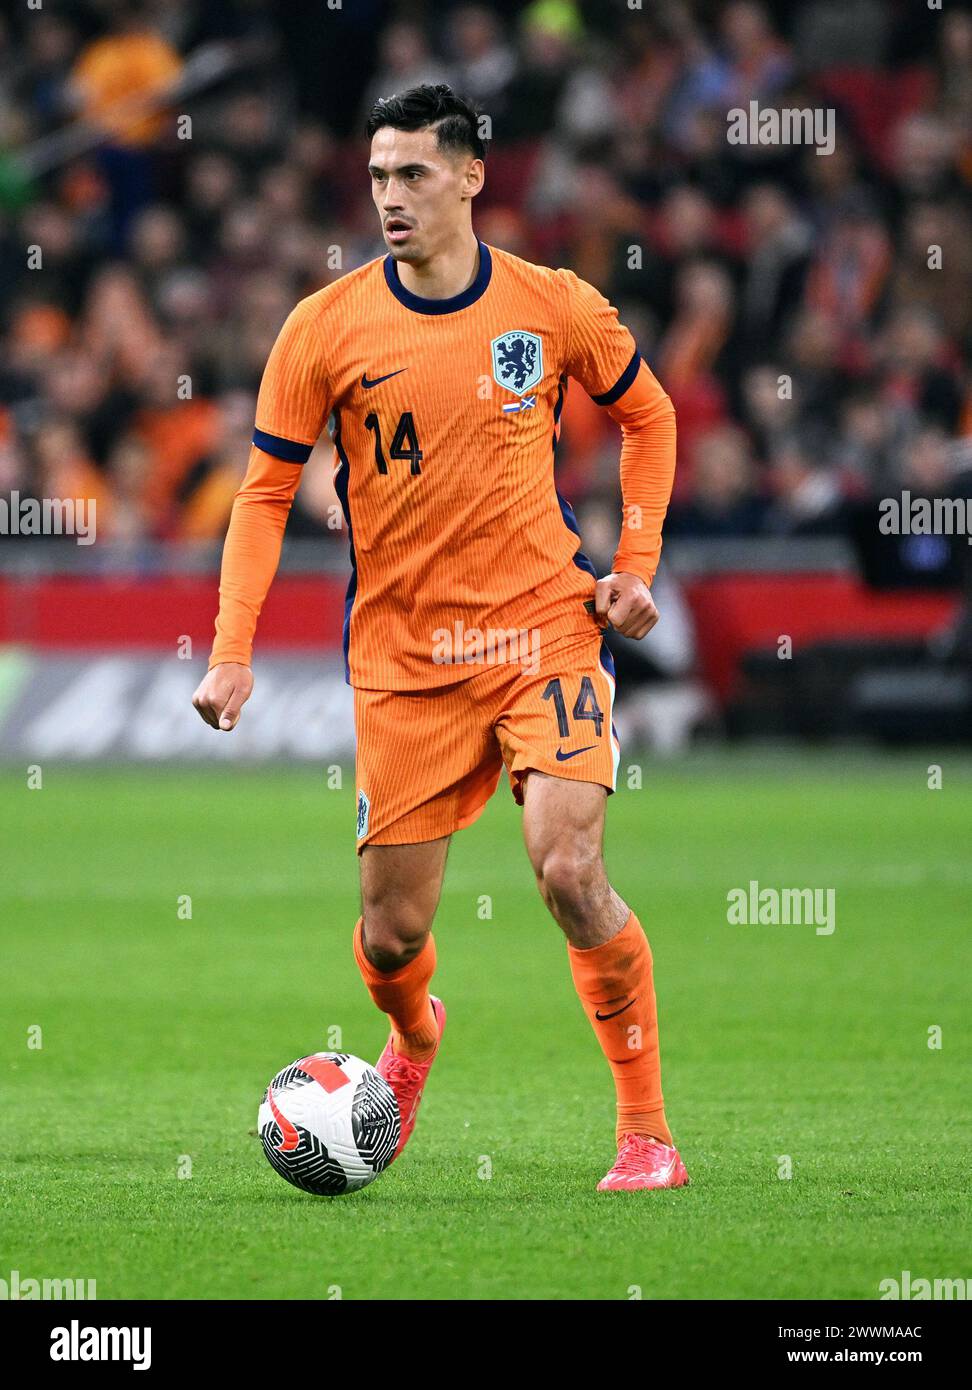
(329, 1123)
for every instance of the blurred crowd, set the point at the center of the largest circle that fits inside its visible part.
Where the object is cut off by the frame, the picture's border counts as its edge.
(187, 171)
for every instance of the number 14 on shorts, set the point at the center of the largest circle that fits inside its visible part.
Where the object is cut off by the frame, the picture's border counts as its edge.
(585, 706)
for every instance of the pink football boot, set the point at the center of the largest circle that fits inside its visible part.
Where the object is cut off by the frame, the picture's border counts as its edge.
(644, 1163)
(407, 1078)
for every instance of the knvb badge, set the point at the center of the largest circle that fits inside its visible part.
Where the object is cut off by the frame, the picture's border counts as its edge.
(518, 366)
(364, 810)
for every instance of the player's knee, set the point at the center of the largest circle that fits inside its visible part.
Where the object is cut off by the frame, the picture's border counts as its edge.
(395, 932)
(569, 878)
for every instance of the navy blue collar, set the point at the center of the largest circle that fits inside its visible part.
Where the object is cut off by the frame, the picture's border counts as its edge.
(440, 306)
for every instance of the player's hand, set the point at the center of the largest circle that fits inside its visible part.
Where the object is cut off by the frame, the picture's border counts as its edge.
(624, 602)
(222, 693)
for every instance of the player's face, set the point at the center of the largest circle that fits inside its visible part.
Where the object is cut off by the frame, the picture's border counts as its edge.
(420, 191)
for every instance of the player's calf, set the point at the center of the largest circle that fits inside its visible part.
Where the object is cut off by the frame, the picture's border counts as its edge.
(610, 958)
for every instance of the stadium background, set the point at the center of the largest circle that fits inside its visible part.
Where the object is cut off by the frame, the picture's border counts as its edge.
(173, 249)
(179, 932)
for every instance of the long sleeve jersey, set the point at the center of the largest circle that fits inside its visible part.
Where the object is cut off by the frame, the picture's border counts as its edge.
(445, 415)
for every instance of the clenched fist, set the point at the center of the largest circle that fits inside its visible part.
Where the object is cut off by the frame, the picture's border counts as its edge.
(222, 693)
(624, 602)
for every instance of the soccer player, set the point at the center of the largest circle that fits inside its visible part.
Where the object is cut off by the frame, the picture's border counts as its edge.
(473, 629)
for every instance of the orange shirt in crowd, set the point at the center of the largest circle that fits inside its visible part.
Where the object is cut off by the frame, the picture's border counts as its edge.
(124, 68)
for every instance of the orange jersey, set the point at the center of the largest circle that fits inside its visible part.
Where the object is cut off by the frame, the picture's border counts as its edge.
(445, 419)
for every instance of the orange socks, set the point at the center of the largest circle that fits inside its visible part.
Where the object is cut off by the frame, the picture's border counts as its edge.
(404, 996)
(614, 982)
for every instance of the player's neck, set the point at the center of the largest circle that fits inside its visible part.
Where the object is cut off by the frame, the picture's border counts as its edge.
(448, 273)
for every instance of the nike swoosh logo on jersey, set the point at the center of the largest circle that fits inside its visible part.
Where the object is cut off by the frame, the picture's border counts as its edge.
(379, 379)
(562, 756)
(604, 1017)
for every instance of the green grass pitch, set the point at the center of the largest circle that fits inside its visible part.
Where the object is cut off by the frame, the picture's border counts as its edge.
(159, 1034)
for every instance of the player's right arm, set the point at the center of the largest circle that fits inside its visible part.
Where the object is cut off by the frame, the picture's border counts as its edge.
(292, 408)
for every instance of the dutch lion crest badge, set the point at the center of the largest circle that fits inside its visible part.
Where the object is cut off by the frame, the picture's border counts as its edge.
(517, 360)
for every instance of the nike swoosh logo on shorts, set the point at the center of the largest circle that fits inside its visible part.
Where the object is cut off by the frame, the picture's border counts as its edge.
(562, 756)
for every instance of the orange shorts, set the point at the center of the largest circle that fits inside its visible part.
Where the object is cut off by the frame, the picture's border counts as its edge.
(429, 760)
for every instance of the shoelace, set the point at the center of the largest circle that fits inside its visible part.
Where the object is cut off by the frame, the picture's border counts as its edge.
(406, 1073)
(636, 1154)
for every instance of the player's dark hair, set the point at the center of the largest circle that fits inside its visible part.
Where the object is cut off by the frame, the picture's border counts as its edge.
(456, 120)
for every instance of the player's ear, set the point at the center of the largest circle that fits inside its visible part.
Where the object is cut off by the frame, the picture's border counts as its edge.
(474, 178)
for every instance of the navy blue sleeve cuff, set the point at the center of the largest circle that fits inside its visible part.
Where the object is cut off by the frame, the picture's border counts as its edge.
(622, 384)
(285, 449)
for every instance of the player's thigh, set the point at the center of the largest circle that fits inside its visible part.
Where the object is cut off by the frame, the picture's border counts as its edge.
(563, 823)
(400, 890)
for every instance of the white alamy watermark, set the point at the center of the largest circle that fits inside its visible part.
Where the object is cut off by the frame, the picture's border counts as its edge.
(18, 1288)
(773, 907)
(490, 646)
(908, 1288)
(49, 516)
(787, 125)
(77, 1343)
(924, 516)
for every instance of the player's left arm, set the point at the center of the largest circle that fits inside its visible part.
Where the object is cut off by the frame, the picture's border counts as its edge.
(647, 419)
(603, 357)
